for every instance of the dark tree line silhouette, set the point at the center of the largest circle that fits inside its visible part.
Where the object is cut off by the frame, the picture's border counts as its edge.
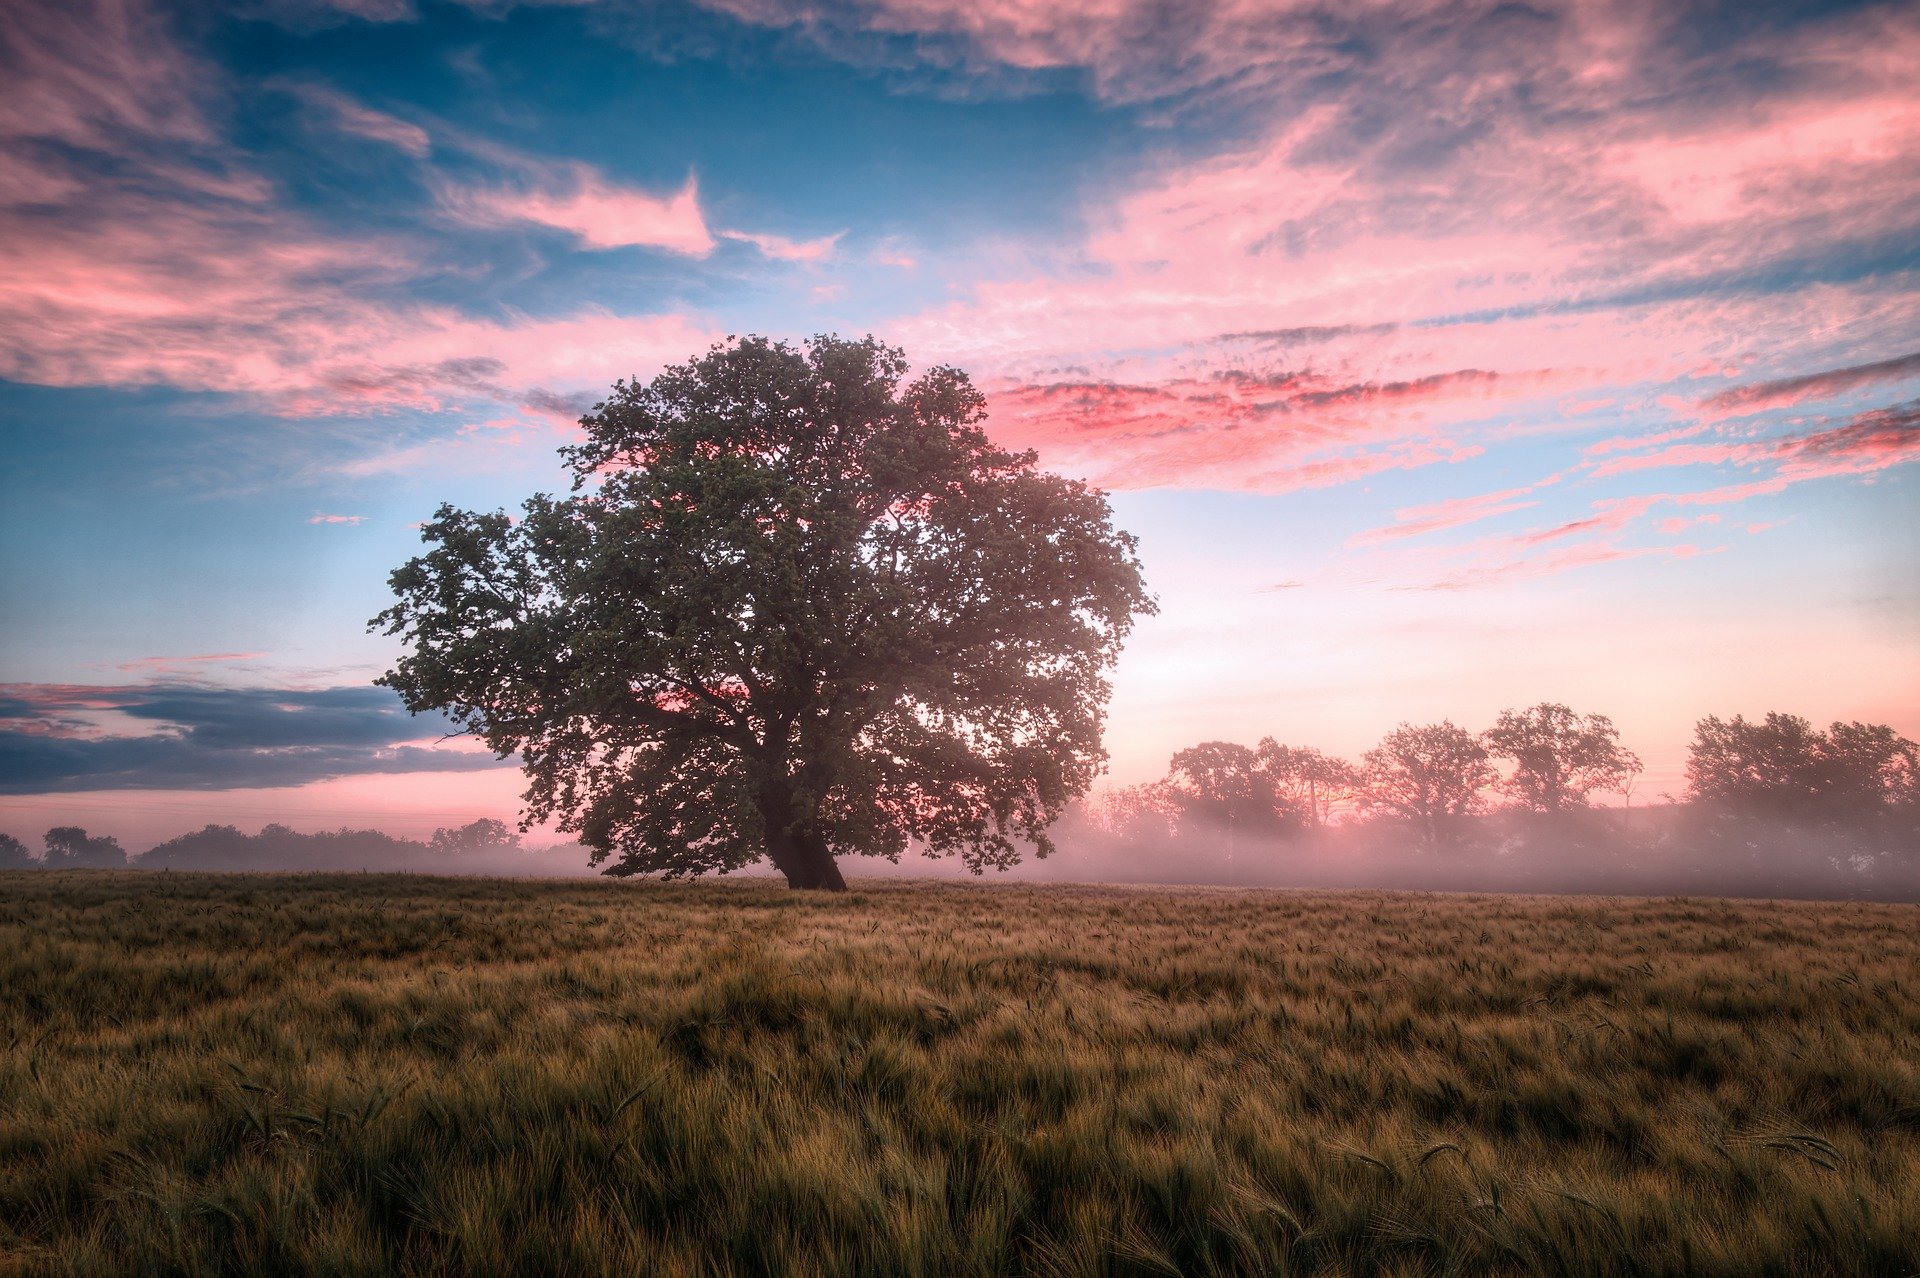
(485, 846)
(1773, 803)
(1773, 806)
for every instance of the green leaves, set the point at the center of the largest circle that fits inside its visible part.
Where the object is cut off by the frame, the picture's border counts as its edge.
(797, 606)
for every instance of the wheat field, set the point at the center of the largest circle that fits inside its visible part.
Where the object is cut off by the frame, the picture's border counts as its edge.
(352, 1074)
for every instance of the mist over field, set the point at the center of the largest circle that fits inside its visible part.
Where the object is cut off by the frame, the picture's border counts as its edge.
(1661, 851)
(1775, 808)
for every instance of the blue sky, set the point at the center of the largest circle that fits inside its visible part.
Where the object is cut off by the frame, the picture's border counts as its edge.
(1444, 356)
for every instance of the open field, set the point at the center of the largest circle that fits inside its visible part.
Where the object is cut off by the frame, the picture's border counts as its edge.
(357, 1074)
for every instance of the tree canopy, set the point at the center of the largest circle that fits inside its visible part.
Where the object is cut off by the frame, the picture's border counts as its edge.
(1784, 767)
(483, 835)
(1429, 775)
(14, 854)
(71, 848)
(1308, 785)
(1220, 784)
(1559, 758)
(797, 607)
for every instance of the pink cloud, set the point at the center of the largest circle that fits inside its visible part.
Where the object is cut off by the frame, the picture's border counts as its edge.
(575, 198)
(1680, 523)
(45, 698)
(1584, 554)
(1412, 274)
(233, 297)
(1871, 441)
(1268, 432)
(1673, 455)
(173, 264)
(1576, 407)
(892, 253)
(782, 249)
(1652, 439)
(1758, 396)
(161, 665)
(338, 519)
(352, 117)
(89, 74)
(1412, 521)
(1868, 442)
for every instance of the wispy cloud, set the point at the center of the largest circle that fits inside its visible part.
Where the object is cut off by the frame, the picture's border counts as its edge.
(1758, 396)
(782, 249)
(337, 519)
(359, 120)
(575, 198)
(161, 665)
(1870, 441)
(1264, 431)
(1573, 235)
(1454, 512)
(54, 738)
(1585, 554)
(139, 246)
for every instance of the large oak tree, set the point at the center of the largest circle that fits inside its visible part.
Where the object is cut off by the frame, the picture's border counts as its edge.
(797, 607)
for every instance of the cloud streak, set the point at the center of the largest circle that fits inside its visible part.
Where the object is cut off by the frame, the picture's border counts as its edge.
(576, 199)
(57, 738)
(1785, 391)
(1454, 512)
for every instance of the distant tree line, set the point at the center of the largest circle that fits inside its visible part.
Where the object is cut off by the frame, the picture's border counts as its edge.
(1775, 796)
(485, 846)
(1772, 807)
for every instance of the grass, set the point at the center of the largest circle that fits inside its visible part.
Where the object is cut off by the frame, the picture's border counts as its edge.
(362, 1074)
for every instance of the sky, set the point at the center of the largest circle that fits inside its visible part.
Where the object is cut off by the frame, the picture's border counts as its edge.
(1444, 357)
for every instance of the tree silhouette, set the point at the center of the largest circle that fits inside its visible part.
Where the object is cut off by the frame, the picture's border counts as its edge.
(1784, 767)
(1148, 812)
(1221, 784)
(14, 854)
(798, 607)
(1307, 783)
(70, 848)
(483, 835)
(1559, 758)
(1873, 768)
(1428, 775)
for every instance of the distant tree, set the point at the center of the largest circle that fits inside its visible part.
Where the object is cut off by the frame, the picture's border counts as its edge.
(808, 610)
(69, 848)
(1146, 812)
(484, 835)
(1559, 758)
(1785, 768)
(1872, 767)
(1306, 783)
(212, 847)
(1221, 784)
(1430, 776)
(14, 855)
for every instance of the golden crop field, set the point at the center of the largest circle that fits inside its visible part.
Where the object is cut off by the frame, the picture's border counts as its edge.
(366, 1074)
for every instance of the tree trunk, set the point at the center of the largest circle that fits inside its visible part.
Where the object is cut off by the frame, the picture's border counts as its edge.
(806, 861)
(794, 845)
(823, 870)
